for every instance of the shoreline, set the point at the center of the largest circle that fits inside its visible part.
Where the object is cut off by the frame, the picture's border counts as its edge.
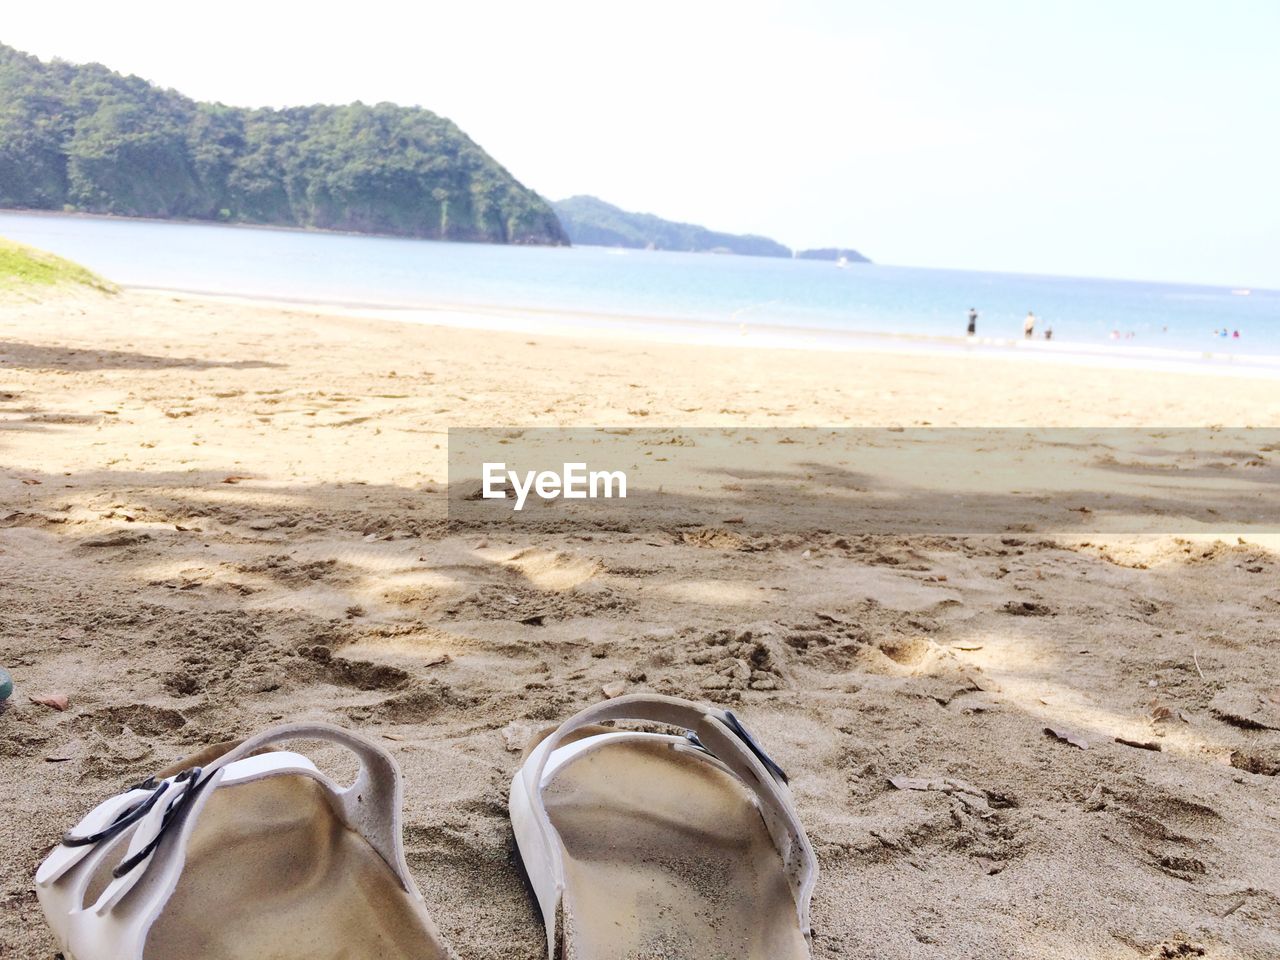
(245, 224)
(527, 305)
(286, 228)
(697, 332)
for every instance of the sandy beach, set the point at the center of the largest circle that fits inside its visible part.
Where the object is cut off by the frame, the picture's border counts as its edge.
(217, 515)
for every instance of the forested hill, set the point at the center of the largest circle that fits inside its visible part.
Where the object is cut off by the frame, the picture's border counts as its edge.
(591, 221)
(88, 139)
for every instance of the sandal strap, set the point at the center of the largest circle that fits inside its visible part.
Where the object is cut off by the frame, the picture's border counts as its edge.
(151, 849)
(371, 805)
(721, 736)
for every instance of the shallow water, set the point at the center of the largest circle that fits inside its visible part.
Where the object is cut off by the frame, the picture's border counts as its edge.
(1107, 318)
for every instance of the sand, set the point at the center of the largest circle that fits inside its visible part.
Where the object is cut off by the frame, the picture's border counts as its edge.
(215, 516)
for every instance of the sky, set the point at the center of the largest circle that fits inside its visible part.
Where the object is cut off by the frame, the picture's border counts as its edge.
(1136, 139)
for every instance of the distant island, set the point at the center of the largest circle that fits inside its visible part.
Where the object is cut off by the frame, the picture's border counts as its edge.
(88, 139)
(591, 221)
(832, 253)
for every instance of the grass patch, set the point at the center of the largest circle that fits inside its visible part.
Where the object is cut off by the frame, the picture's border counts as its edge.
(22, 267)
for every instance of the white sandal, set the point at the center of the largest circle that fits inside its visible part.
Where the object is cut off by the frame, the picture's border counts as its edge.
(250, 855)
(644, 844)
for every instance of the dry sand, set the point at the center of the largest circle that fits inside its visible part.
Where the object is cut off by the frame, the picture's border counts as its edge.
(215, 516)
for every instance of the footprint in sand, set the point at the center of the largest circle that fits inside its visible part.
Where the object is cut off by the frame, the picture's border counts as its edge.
(549, 570)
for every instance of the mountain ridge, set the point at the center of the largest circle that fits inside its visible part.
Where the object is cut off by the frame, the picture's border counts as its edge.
(591, 221)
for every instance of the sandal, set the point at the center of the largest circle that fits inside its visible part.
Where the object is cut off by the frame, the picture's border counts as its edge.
(240, 854)
(645, 845)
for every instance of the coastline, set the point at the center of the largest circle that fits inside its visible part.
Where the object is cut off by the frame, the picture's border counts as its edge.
(274, 227)
(699, 332)
(674, 298)
(324, 231)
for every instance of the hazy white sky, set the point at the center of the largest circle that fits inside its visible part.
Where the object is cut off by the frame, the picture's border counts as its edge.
(1098, 137)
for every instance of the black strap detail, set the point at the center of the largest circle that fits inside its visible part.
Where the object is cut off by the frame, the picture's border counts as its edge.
(133, 814)
(734, 724)
(125, 818)
(172, 812)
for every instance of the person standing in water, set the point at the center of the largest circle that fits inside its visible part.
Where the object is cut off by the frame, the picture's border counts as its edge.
(973, 321)
(1048, 333)
(1029, 325)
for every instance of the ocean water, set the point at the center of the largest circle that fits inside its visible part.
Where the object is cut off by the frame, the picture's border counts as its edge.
(789, 299)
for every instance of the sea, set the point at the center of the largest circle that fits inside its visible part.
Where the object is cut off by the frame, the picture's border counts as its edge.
(756, 301)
